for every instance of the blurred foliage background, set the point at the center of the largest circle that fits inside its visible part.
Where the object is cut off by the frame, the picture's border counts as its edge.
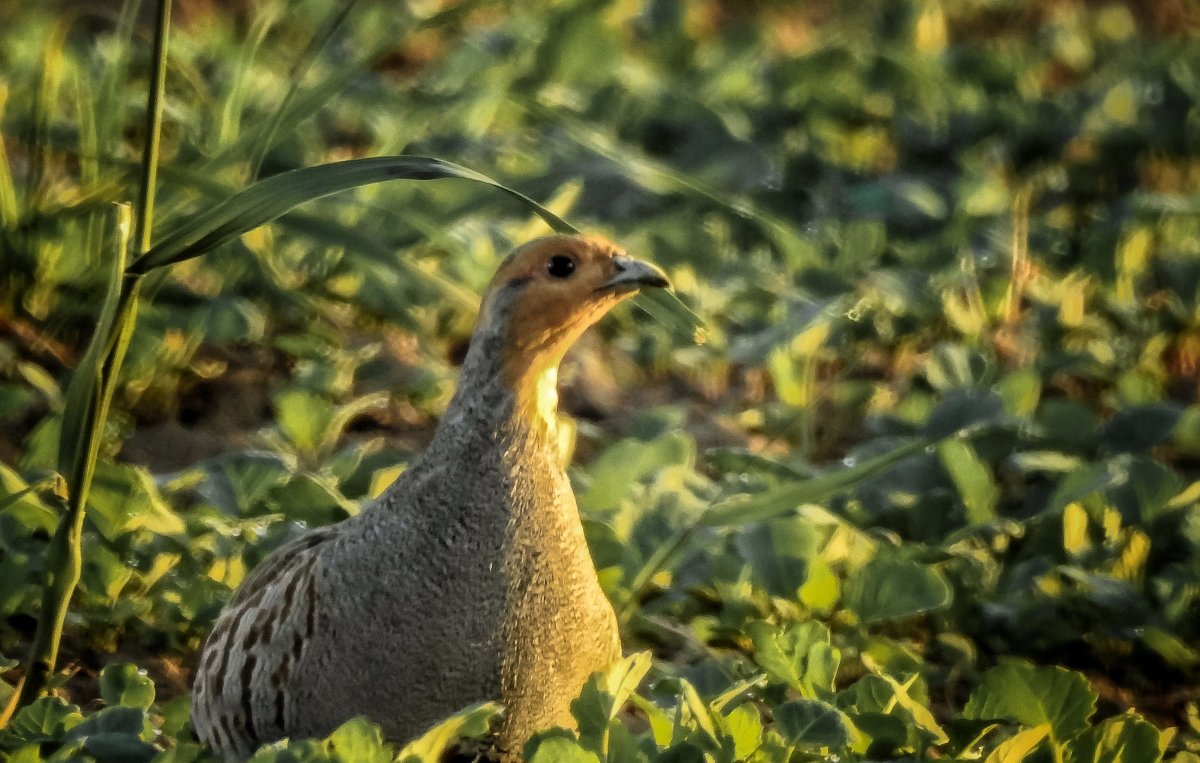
(899, 220)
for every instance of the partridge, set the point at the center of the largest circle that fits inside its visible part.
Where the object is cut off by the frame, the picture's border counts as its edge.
(468, 579)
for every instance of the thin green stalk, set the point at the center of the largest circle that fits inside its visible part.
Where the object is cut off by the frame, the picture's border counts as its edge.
(154, 109)
(66, 547)
(85, 418)
(1011, 312)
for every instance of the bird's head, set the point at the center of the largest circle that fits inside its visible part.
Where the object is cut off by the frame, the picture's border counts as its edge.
(547, 292)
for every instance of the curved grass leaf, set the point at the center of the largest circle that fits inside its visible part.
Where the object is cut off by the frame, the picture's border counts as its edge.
(670, 311)
(269, 199)
(742, 509)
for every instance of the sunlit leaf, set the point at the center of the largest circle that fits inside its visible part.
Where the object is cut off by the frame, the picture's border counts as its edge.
(1019, 746)
(473, 721)
(1120, 739)
(1019, 691)
(358, 739)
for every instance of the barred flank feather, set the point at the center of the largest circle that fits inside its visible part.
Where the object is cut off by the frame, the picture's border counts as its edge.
(242, 693)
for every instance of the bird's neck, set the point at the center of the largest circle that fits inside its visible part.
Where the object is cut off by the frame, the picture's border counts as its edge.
(503, 399)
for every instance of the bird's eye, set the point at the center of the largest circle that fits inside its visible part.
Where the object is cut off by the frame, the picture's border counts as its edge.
(560, 266)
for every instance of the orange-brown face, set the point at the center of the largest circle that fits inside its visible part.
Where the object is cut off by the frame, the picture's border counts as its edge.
(552, 289)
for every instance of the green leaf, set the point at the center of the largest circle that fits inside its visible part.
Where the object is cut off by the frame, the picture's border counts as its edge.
(116, 735)
(616, 472)
(126, 685)
(743, 509)
(1021, 390)
(813, 723)
(125, 498)
(312, 498)
(1170, 647)
(21, 502)
(743, 730)
(823, 587)
(111, 720)
(345, 413)
(661, 726)
(47, 718)
(1085, 481)
(1120, 739)
(693, 713)
(237, 481)
(666, 308)
(1139, 428)
(972, 478)
(359, 740)
(892, 589)
(114, 747)
(473, 721)
(901, 697)
(28, 754)
(560, 748)
(778, 551)
(889, 732)
(1018, 747)
(292, 751)
(304, 418)
(269, 199)
(799, 655)
(1019, 691)
(603, 696)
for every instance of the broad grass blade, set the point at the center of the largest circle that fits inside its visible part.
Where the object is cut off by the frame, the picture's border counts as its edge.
(82, 401)
(669, 310)
(269, 199)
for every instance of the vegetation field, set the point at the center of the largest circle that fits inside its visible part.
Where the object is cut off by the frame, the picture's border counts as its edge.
(910, 470)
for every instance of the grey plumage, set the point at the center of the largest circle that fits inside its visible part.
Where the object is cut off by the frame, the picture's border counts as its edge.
(467, 580)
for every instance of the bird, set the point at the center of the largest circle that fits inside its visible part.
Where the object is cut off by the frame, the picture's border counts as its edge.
(468, 579)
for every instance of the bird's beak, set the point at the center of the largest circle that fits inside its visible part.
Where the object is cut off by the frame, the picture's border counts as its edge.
(633, 274)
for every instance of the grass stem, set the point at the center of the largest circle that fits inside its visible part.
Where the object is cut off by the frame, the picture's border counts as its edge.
(88, 409)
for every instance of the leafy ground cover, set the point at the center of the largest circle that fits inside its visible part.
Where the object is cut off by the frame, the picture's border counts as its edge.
(926, 485)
